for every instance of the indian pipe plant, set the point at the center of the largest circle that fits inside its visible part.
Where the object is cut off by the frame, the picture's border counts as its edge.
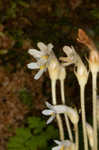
(46, 60)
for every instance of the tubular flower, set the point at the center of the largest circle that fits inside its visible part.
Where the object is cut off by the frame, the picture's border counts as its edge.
(64, 145)
(43, 58)
(60, 109)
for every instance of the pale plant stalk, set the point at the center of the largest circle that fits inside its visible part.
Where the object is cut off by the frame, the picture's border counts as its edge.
(66, 118)
(59, 120)
(94, 89)
(83, 117)
(76, 136)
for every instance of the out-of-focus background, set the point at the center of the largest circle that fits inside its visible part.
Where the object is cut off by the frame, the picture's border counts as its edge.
(23, 23)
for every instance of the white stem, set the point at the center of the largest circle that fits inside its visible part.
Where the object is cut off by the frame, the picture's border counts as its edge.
(66, 118)
(62, 91)
(76, 136)
(53, 86)
(83, 117)
(94, 88)
(59, 120)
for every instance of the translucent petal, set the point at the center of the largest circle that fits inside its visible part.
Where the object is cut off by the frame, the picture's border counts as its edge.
(33, 66)
(47, 112)
(49, 105)
(50, 46)
(68, 50)
(57, 142)
(35, 53)
(56, 148)
(42, 61)
(60, 109)
(50, 119)
(39, 74)
(42, 46)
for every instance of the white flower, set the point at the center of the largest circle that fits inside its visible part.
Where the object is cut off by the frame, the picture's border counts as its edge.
(64, 145)
(53, 110)
(60, 109)
(43, 56)
(72, 56)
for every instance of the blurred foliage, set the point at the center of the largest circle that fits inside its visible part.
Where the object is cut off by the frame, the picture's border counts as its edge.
(95, 13)
(26, 97)
(35, 135)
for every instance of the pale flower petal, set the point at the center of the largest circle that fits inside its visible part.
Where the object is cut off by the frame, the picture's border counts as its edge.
(41, 46)
(68, 50)
(33, 66)
(47, 112)
(49, 105)
(57, 142)
(43, 57)
(56, 148)
(39, 74)
(50, 119)
(42, 61)
(50, 46)
(35, 53)
(60, 109)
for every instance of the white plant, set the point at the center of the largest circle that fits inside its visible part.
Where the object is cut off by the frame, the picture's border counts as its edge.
(82, 77)
(46, 59)
(61, 109)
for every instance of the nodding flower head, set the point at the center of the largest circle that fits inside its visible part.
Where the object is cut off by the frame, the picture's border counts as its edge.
(43, 57)
(93, 53)
(74, 58)
(60, 109)
(53, 110)
(63, 145)
(94, 61)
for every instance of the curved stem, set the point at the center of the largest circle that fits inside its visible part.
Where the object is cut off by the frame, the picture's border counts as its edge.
(83, 117)
(66, 118)
(94, 88)
(59, 120)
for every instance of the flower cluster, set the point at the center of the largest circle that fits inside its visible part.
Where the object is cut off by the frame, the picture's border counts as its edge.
(46, 59)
